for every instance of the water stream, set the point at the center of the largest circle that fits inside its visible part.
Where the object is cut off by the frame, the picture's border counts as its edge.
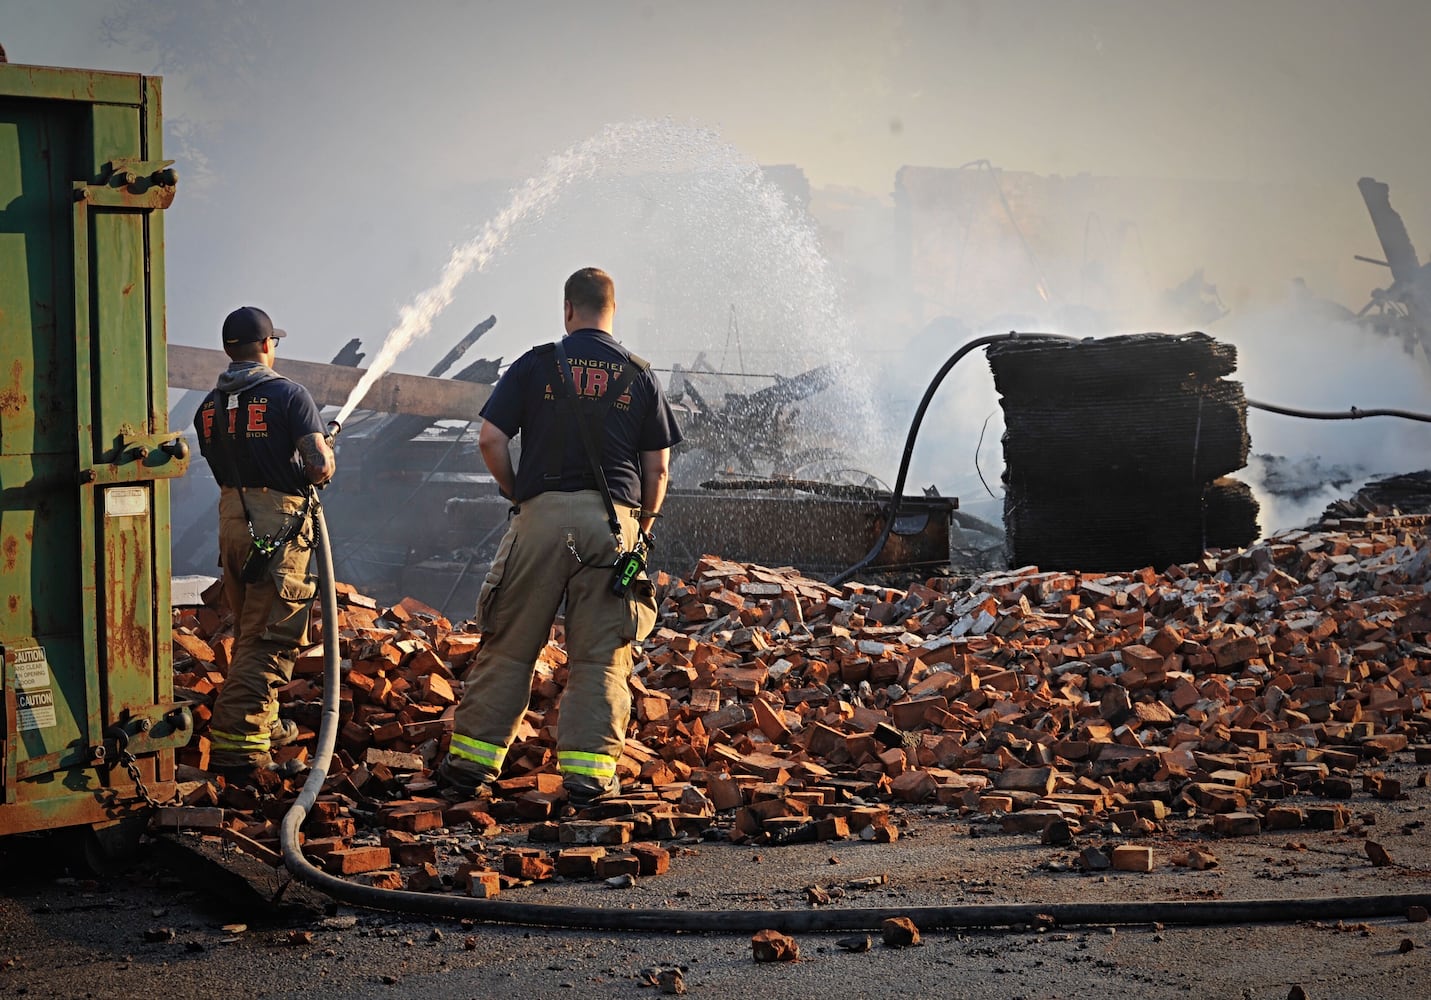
(416, 318)
(711, 261)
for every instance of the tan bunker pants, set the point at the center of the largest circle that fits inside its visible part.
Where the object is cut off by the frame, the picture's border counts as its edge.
(270, 623)
(533, 570)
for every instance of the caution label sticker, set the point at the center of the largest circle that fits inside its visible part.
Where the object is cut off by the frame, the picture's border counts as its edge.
(34, 696)
(30, 667)
(35, 709)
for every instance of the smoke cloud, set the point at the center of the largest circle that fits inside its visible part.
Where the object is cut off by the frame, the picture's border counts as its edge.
(1119, 159)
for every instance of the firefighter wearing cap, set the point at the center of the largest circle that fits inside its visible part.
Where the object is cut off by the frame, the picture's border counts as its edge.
(265, 443)
(559, 547)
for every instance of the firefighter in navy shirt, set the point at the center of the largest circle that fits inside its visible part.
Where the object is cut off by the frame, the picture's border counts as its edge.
(559, 545)
(266, 444)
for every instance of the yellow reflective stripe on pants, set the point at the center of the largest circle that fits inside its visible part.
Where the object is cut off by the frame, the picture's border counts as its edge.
(489, 755)
(593, 765)
(219, 740)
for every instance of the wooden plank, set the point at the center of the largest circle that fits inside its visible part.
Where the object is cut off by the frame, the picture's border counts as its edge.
(443, 398)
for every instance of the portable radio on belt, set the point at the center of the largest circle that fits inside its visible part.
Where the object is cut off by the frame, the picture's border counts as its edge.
(628, 567)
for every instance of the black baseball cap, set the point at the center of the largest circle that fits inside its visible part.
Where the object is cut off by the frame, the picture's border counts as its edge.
(249, 325)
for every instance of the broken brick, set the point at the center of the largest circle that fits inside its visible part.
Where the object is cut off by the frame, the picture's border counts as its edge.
(772, 946)
(353, 860)
(1132, 858)
(899, 932)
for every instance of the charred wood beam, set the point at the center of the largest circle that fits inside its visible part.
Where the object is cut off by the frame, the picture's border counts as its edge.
(350, 355)
(396, 429)
(399, 428)
(460, 348)
(1390, 230)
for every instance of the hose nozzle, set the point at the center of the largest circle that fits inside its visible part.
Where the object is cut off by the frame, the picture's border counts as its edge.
(333, 428)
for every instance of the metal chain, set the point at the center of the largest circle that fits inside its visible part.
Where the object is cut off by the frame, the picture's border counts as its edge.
(131, 764)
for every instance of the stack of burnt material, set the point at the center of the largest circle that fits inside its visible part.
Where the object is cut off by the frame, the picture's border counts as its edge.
(1409, 493)
(1116, 450)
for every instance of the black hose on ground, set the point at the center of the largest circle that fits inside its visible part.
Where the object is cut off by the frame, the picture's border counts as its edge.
(897, 497)
(1197, 912)
(1353, 414)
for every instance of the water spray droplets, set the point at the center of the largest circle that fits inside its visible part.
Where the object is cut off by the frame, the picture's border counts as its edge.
(692, 227)
(532, 198)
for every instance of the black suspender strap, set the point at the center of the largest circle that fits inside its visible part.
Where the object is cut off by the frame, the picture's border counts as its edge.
(589, 423)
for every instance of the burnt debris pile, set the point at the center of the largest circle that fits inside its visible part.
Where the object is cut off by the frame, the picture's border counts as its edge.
(1117, 450)
(1408, 493)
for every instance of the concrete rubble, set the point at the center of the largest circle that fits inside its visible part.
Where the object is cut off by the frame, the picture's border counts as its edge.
(1119, 717)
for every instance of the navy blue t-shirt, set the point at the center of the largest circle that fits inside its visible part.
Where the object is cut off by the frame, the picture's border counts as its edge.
(264, 428)
(524, 402)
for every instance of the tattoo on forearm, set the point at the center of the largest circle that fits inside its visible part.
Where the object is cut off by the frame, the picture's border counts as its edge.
(317, 457)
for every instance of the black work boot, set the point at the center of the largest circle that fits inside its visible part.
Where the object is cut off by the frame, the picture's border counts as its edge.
(282, 732)
(459, 781)
(583, 792)
(239, 769)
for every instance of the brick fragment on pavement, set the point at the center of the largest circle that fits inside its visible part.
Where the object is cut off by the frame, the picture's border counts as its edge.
(389, 878)
(527, 863)
(899, 932)
(772, 946)
(1057, 833)
(483, 884)
(1094, 859)
(579, 862)
(1237, 824)
(1195, 858)
(1132, 858)
(426, 878)
(652, 859)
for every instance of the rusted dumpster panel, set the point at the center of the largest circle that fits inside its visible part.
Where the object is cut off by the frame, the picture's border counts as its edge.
(85, 451)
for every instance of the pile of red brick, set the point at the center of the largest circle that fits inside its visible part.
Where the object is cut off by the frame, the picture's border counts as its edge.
(1254, 689)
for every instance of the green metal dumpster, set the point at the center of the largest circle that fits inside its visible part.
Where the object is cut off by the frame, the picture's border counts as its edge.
(90, 721)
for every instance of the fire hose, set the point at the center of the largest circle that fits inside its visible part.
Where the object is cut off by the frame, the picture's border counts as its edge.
(1353, 414)
(1197, 912)
(897, 496)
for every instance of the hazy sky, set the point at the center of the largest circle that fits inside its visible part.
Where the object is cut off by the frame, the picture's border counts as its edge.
(332, 153)
(849, 90)
(354, 142)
